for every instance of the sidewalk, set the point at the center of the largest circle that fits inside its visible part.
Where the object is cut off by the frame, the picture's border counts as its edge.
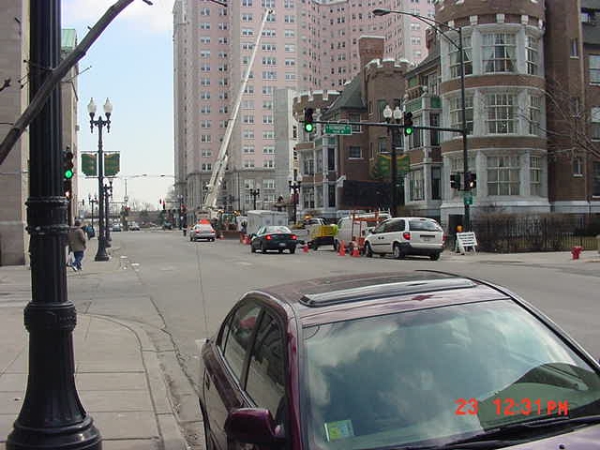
(118, 374)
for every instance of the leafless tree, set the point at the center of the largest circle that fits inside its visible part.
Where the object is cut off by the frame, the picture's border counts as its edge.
(57, 74)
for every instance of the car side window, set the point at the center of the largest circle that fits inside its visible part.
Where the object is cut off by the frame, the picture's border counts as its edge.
(266, 380)
(396, 225)
(239, 335)
(380, 228)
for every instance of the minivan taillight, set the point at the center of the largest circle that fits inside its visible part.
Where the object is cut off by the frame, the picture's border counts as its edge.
(444, 237)
(294, 237)
(406, 235)
(268, 237)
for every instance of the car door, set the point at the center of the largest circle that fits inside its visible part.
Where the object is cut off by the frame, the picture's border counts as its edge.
(222, 382)
(394, 233)
(256, 240)
(265, 378)
(376, 240)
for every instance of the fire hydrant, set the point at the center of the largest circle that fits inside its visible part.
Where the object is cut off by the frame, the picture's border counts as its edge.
(576, 251)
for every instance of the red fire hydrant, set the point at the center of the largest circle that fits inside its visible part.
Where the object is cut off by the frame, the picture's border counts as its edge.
(576, 251)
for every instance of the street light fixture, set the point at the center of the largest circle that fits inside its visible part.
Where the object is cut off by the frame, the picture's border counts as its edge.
(92, 200)
(254, 193)
(108, 191)
(396, 114)
(295, 188)
(101, 254)
(459, 46)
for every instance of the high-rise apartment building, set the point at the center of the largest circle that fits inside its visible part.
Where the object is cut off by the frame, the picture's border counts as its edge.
(306, 45)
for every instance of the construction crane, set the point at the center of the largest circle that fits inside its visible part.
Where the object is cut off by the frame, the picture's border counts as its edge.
(218, 173)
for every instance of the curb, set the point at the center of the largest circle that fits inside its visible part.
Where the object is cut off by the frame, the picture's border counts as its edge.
(168, 425)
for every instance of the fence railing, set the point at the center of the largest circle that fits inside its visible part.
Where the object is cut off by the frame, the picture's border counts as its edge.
(507, 233)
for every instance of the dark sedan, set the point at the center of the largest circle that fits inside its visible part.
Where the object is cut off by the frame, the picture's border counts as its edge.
(394, 361)
(274, 238)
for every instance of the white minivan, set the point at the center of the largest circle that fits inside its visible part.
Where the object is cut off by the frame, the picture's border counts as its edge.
(358, 225)
(403, 236)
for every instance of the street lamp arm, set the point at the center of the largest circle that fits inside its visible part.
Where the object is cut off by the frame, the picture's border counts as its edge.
(436, 25)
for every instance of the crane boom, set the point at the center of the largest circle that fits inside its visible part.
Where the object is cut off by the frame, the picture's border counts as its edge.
(218, 173)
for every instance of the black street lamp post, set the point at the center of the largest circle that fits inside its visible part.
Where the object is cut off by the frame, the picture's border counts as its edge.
(101, 254)
(459, 46)
(254, 193)
(397, 115)
(52, 416)
(295, 188)
(92, 201)
(180, 198)
(108, 190)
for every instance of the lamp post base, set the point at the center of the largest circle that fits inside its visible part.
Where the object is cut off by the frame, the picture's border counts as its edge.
(82, 436)
(101, 254)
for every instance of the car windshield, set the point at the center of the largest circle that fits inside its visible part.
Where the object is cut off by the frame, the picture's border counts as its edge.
(277, 230)
(423, 225)
(438, 374)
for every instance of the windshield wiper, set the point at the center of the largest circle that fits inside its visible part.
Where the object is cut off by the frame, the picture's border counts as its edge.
(489, 439)
(479, 445)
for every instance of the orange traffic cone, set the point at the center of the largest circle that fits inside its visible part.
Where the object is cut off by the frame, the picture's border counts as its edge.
(247, 240)
(305, 248)
(342, 249)
(355, 253)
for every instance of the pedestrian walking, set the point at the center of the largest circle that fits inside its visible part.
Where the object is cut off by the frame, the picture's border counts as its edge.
(77, 243)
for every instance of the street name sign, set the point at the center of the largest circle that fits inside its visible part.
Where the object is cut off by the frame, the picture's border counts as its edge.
(338, 128)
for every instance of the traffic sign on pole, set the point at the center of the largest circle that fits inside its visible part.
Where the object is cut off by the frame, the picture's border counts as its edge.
(338, 128)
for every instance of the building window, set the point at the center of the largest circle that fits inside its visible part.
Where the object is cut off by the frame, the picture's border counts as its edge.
(248, 134)
(415, 178)
(434, 121)
(577, 166)
(248, 119)
(456, 113)
(535, 175)
(248, 164)
(206, 167)
(416, 139)
(499, 51)
(596, 185)
(269, 184)
(503, 175)
(382, 145)
(355, 118)
(354, 152)
(331, 159)
(267, 120)
(248, 149)
(269, 150)
(436, 183)
(467, 57)
(532, 52)
(205, 138)
(574, 48)
(268, 135)
(594, 69)
(535, 114)
(500, 116)
(206, 153)
(269, 164)
(595, 123)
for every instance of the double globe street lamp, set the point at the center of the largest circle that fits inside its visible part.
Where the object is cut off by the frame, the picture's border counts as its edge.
(396, 114)
(437, 26)
(101, 254)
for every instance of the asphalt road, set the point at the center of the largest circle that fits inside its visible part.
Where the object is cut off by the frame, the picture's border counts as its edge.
(192, 286)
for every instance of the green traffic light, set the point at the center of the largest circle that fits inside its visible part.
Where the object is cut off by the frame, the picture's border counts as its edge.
(309, 127)
(408, 131)
(68, 174)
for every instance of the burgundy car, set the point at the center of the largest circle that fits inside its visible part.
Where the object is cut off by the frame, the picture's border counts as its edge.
(416, 360)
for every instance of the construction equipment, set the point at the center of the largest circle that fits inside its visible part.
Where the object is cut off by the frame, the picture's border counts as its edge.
(218, 173)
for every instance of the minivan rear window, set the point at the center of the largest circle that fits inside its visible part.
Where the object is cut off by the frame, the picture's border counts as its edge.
(423, 225)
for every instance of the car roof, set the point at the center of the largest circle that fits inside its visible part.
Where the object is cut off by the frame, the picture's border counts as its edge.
(344, 297)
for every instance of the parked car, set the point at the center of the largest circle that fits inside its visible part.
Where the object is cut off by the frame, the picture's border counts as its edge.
(395, 361)
(115, 227)
(133, 226)
(357, 226)
(202, 231)
(403, 236)
(274, 238)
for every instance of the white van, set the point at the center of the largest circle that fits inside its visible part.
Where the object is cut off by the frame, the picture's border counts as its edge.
(357, 225)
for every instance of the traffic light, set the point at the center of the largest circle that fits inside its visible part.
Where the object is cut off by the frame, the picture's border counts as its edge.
(68, 165)
(455, 181)
(408, 124)
(309, 126)
(68, 188)
(471, 180)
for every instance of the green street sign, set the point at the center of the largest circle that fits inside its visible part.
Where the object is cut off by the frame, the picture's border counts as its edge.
(112, 164)
(338, 128)
(89, 165)
(383, 164)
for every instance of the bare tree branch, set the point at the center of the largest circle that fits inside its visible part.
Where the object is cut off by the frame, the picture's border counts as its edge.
(56, 75)
(5, 85)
